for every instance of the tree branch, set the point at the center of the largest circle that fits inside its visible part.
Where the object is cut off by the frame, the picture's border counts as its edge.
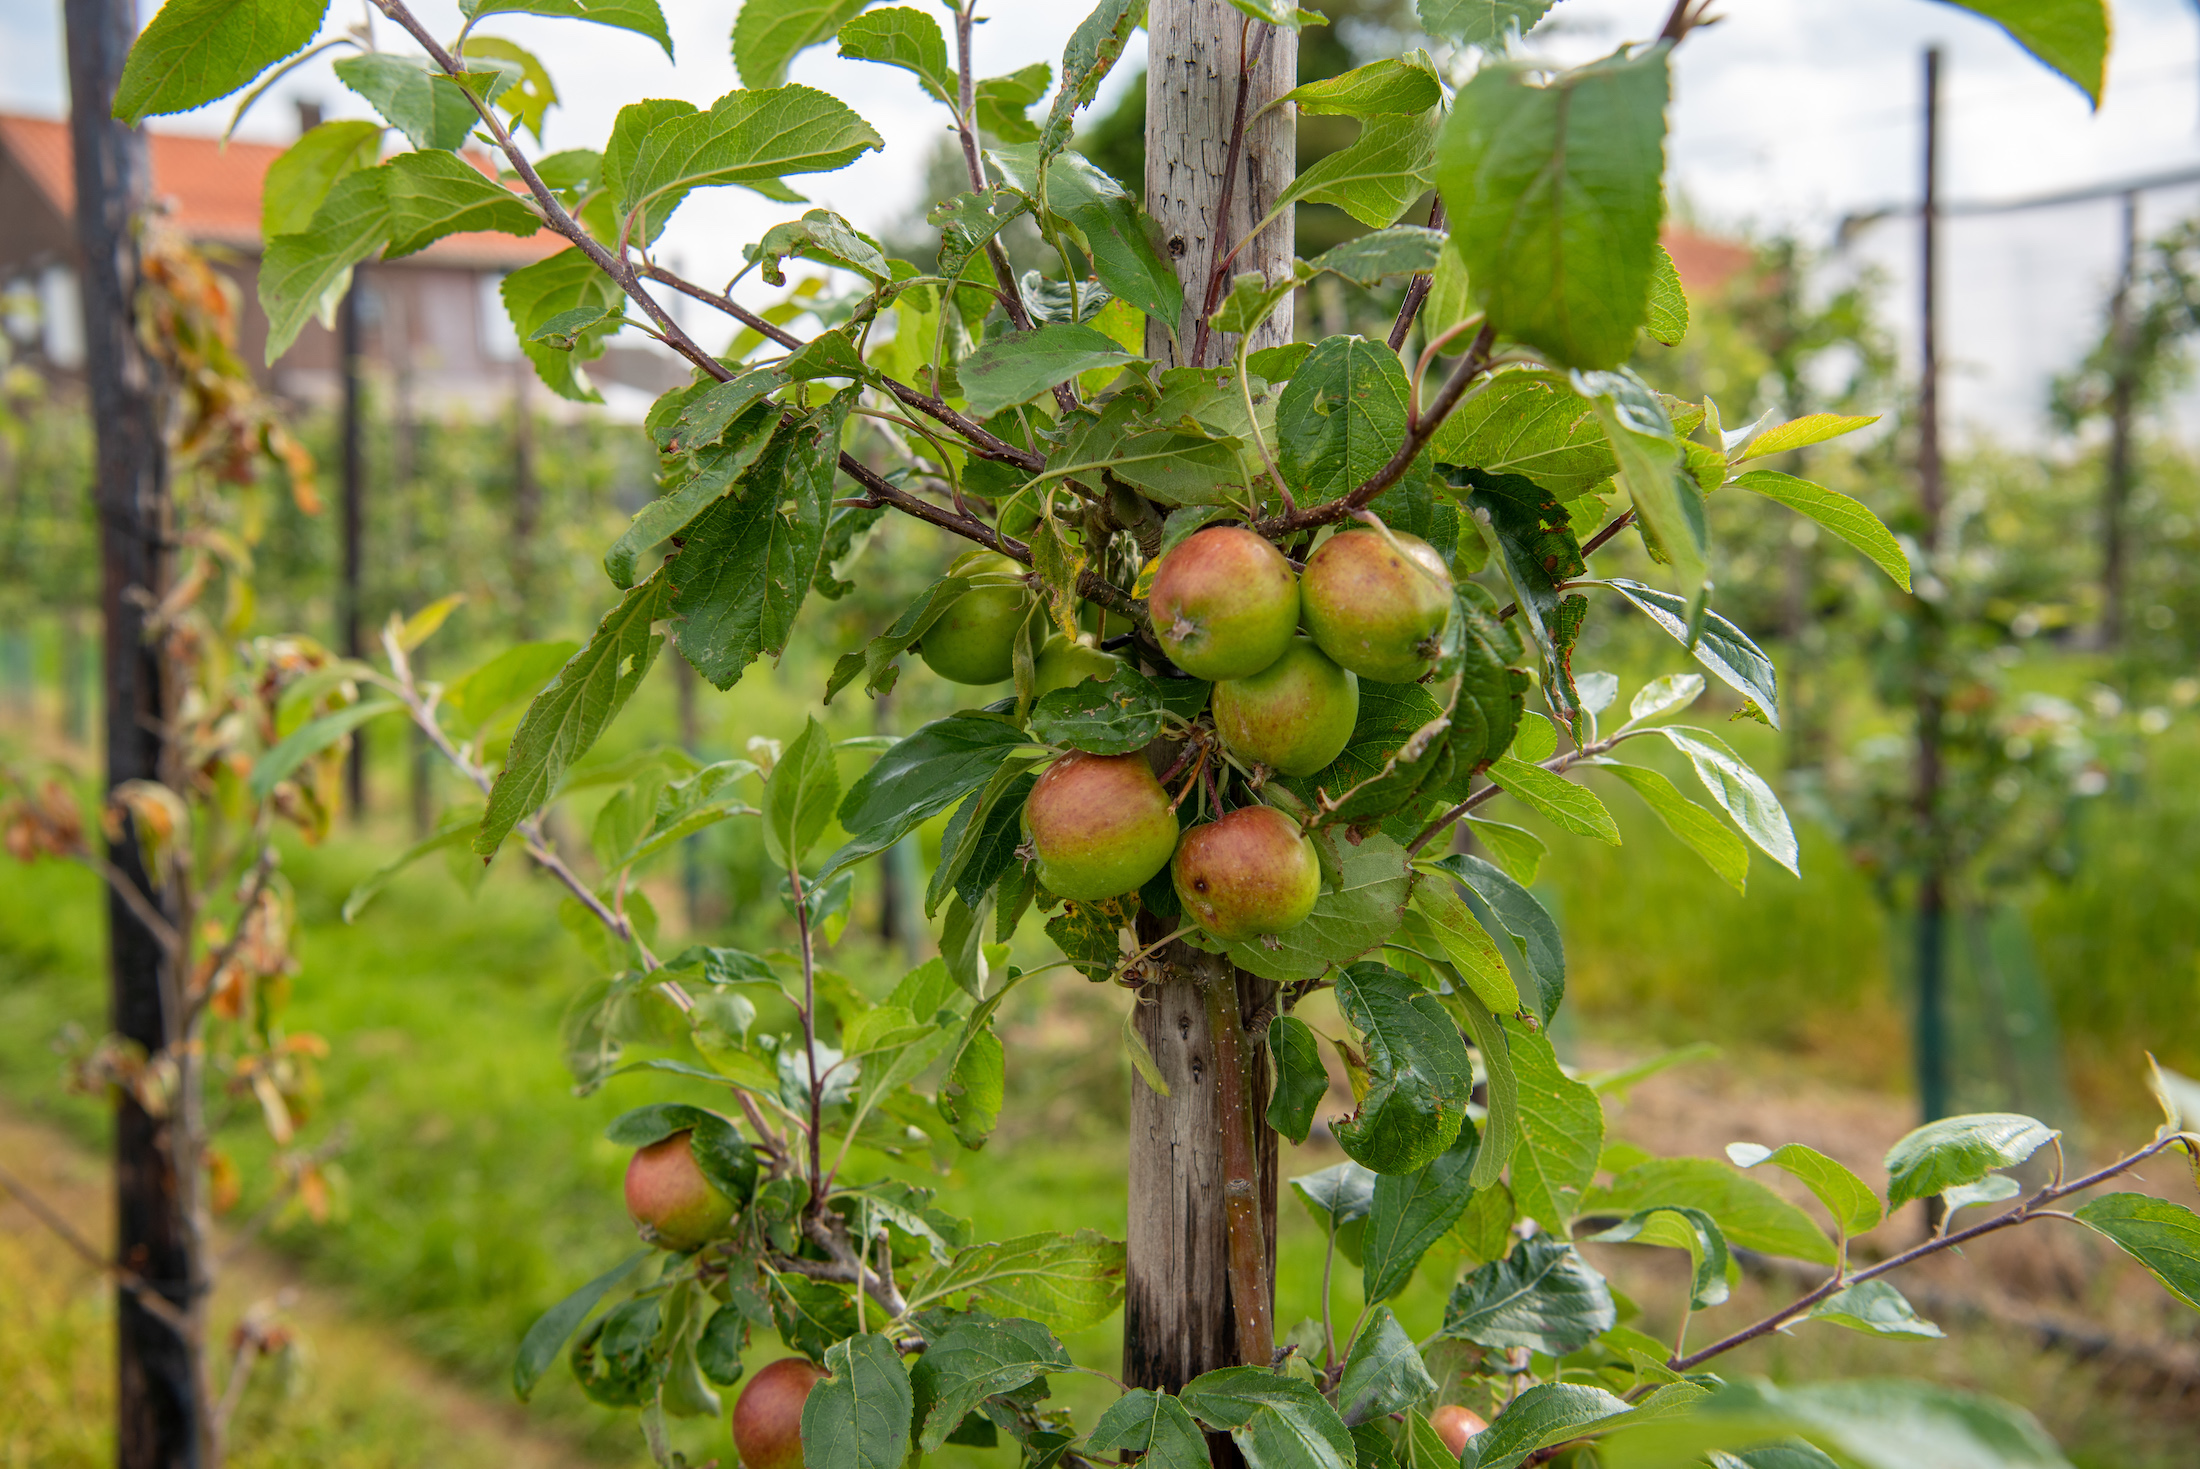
(156, 1305)
(1558, 765)
(1418, 433)
(1417, 289)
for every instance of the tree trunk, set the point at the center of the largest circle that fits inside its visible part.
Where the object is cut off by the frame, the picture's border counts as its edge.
(161, 1416)
(1181, 1316)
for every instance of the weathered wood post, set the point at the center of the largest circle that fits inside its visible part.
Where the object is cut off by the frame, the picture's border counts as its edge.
(1207, 68)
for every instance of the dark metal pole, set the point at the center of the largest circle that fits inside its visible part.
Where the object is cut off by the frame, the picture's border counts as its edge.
(1932, 897)
(354, 512)
(2123, 396)
(159, 1415)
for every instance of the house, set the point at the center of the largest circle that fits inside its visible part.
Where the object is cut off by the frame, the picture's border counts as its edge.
(432, 327)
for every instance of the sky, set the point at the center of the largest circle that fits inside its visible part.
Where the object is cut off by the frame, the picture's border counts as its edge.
(1787, 116)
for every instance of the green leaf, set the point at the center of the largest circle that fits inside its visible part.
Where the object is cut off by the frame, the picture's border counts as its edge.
(1667, 502)
(1419, 1076)
(1339, 1195)
(748, 561)
(768, 34)
(800, 795)
(1542, 1296)
(534, 294)
(1704, 834)
(823, 236)
(567, 718)
(1524, 919)
(1723, 648)
(1019, 366)
(530, 94)
(925, 773)
(301, 178)
(1153, 1425)
(1526, 422)
(1485, 23)
(2068, 36)
(1093, 49)
(510, 679)
(1409, 1213)
(1276, 1422)
(420, 102)
(1556, 799)
(1518, 851)
(1798, 433)
(1751, 1216)
(1678, 1227)
(1740, 792)
(1501, 1124)
(1003, 103)
(1285, 13)
(1668, 319)
(194, 51)
(1874, 1307)
(661, 150)
(1547, 1414)
(1348, 920)
(1066, 1282)
(903, 37)
(457, 830)
(1531, 535)
(717, 467)
(1468, 945)
(1855, 1208)
(975, 1085)
(1407, 84)
(1561, 1133)
(436, 194)
(1111, 717)
(1119, 235)
(1301, 1080)
(540, 1347)
(640, 16)
(1383, 1373)
(1340, 417)
(1848, 518)
(310, 739)
(1555, 193)
(1895, 1423)
(1404, 249)
(858, 1416)
(1958, 1150)
(307, 273)
(2160, 1235)
(972, 1360)
(1790, 1453)
(1376, 177)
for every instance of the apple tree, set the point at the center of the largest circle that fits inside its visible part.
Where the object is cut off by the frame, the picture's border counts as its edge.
(1264, 637)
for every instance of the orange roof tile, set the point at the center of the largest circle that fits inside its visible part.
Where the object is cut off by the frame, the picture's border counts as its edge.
(1705, 262)
(214, 191)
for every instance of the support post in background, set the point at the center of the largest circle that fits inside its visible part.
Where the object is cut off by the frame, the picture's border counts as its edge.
(1931, 1029)
(349, 611)
(160, 1410)
(2123, 396)
(1180, 1316)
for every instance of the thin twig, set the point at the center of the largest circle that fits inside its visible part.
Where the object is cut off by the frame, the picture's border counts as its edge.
(1418, 434)
(141, 907)
(1417, 289)
(1558, 765)
(156, 1305)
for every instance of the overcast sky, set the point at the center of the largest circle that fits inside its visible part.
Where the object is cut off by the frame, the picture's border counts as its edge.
(1788, 115)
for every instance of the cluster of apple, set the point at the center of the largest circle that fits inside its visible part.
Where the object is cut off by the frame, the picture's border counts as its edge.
(1285, 652)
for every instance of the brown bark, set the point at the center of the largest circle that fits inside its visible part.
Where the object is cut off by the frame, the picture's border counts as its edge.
(160, 1407)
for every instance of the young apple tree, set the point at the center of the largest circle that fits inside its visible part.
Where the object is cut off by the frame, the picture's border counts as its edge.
(1265, 627)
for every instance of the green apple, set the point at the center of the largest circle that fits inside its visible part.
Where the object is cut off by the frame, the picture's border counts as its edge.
(1251, 873)
(974, 640)
(1100, 825)
(1295, 715)
(1224, 603)
(1375, 607)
